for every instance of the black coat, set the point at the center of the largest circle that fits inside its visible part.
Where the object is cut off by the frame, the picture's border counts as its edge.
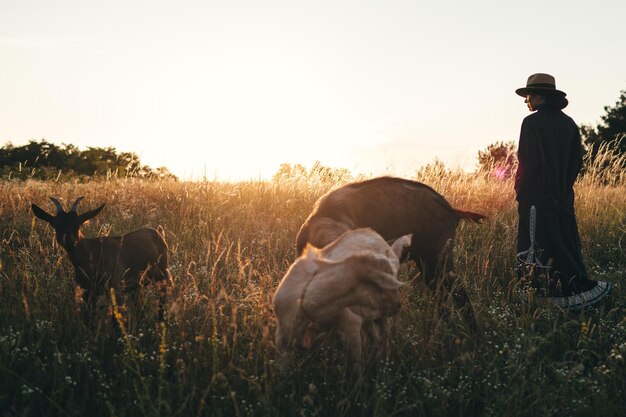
(550, 158)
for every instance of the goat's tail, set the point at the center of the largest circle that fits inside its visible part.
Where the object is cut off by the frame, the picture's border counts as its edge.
(469, 215)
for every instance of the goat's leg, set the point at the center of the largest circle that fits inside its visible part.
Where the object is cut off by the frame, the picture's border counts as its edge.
(455, 288)
(439, 275)
(161, 279)
(350, 327)
(451, 285)
(116, 298)
(382, 334)
(282, 350)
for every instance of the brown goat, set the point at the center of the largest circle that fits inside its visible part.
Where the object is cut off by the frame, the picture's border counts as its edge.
(394, 207)
(105, 263)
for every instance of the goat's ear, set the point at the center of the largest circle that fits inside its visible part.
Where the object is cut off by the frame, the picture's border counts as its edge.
(42, 214)
(378, 271)
(401, 246)
(88, 215)
(374, 261)
(384, 280)
(310, 252)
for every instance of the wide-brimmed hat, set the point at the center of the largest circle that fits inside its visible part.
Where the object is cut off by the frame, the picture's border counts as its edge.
(541, 84)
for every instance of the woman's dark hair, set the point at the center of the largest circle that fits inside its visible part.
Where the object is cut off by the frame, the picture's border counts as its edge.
(556, 101)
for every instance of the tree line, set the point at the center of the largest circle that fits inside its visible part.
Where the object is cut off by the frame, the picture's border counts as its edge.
(44, 160)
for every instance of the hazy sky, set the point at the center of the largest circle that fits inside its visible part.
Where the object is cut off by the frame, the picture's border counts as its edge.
(231, 89)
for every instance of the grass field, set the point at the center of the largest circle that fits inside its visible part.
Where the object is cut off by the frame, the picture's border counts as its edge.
(229, 246)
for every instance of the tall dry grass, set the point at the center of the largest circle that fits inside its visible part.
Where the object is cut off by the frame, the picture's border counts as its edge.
(230, 244)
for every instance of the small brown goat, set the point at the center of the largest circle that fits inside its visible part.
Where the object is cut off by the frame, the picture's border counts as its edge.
(395, 207)
(345, 285)
(105, 263)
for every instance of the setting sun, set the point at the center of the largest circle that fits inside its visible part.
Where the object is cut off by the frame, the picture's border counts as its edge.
(246, 117)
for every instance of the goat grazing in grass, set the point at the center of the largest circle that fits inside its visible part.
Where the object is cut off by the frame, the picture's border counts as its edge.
(395, 207)
(347, 284)
(105, 263)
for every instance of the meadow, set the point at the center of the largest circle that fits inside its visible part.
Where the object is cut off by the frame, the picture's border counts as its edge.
(230, 244)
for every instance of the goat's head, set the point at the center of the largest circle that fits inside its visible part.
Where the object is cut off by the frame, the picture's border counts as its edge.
(364, 279)
(378, 282)
(66, 224)
(319, 232)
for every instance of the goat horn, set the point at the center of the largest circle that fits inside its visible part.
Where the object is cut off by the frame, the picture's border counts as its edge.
(58, 205)
(75, 205)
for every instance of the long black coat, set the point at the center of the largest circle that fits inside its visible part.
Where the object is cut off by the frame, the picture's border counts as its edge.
(550, 158)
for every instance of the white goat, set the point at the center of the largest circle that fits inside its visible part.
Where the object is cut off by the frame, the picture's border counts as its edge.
(348, 282)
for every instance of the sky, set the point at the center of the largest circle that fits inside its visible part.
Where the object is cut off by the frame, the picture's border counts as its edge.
(229, 90)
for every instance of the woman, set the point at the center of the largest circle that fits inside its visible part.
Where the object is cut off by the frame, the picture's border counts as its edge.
(550, 158)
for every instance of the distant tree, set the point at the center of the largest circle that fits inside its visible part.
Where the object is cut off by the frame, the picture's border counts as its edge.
(499, 160)
(435, 169)
(317, 172)
(286, 171)
(323, 173)
(161, 173)
(45, 160)
(612, 128)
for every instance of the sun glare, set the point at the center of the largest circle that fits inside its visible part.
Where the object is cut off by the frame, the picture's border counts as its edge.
(243, 118)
